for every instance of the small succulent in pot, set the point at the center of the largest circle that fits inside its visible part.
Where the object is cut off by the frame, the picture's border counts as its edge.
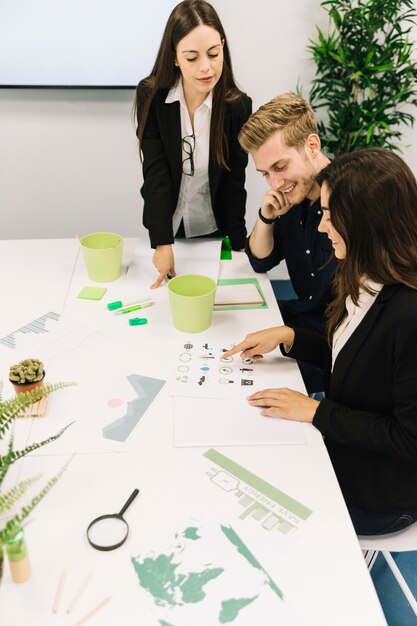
(27, 374)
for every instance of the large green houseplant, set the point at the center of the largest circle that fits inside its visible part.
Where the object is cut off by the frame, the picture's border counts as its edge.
(9, 410)
(366, 79)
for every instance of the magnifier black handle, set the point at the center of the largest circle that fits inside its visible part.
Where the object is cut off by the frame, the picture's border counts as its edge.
(129, 502)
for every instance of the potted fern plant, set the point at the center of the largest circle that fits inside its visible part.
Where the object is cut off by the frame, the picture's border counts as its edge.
(366, 78)
(11, 531)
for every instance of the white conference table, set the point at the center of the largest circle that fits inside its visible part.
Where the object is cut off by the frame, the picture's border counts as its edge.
(320, 568)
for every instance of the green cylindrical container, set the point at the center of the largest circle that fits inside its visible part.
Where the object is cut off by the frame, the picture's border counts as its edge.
(103, 256)
(192, 299)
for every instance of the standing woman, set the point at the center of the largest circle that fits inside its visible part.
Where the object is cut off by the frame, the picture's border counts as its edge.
(369, 415)
(189, 113)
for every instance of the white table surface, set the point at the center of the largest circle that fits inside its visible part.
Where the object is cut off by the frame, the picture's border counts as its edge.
(322, 572)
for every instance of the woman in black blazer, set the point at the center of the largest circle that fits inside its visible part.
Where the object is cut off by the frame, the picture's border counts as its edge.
(189, 113)
(369, 415)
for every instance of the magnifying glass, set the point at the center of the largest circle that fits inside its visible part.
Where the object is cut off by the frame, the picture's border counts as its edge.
(109, 532)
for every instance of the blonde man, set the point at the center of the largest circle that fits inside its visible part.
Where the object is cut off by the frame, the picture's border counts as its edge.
(283, 141)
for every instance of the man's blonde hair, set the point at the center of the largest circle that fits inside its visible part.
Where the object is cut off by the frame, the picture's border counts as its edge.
(289, 113)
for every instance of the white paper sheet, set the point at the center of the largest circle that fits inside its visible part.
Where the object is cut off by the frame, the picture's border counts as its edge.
(229, 423)
(192, 256)
(107, 404)
(199, 571)
(246, 293)
(106, 414)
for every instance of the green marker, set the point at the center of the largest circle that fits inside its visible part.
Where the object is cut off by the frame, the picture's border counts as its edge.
(133, 308)
(118, 304)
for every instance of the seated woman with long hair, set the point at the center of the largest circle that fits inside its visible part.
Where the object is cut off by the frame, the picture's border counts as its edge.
(369, 415)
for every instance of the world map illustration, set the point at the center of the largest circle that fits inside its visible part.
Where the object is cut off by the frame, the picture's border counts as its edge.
(209, 576)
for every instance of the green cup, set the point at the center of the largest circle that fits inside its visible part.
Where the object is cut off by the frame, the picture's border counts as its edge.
(103, 256)
(192, 299)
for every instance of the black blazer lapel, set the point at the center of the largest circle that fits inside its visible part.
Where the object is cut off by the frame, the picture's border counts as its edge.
(349, 351)
(172, 126)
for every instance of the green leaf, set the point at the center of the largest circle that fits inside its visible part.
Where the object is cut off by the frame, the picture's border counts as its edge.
(335, 15)
(381, 68)
(17, 520)
(369, 56)
(370, 133)
(9, 498)
(10, 409)
(14, 455)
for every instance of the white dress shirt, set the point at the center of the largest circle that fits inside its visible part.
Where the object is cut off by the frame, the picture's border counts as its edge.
(354, 317)
(194, 202)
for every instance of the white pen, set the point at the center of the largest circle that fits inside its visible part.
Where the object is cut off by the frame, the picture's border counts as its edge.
(118, 304)
(133, 308)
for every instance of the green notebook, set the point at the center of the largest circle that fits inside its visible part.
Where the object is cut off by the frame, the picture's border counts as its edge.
(241, 281)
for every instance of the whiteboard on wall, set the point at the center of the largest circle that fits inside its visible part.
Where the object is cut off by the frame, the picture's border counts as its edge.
(79, 43)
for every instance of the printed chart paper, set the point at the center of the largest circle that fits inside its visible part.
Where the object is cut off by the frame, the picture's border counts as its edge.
(52, 337)
(107, 404)
(274, 510)
(206, 574)
(37, 332)
(107, 416)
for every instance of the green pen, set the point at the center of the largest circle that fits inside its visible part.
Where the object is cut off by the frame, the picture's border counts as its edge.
(133, 308)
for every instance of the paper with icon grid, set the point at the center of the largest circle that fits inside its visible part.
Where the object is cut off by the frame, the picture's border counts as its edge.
(201, 371)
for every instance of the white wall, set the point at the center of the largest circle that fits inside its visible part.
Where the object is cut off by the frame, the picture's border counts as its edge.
(68, 158)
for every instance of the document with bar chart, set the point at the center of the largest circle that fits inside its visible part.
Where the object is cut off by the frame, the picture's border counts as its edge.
(32, 333)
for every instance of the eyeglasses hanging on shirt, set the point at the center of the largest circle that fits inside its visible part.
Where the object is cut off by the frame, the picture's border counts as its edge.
(188, 145)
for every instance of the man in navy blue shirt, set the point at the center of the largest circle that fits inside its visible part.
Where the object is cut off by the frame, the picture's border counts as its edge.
(283, 141)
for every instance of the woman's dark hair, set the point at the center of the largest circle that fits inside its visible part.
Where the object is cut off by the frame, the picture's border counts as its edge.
(184, 18)
(373, 206)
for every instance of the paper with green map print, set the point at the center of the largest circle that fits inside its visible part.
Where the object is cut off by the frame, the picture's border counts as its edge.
(206, 575)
